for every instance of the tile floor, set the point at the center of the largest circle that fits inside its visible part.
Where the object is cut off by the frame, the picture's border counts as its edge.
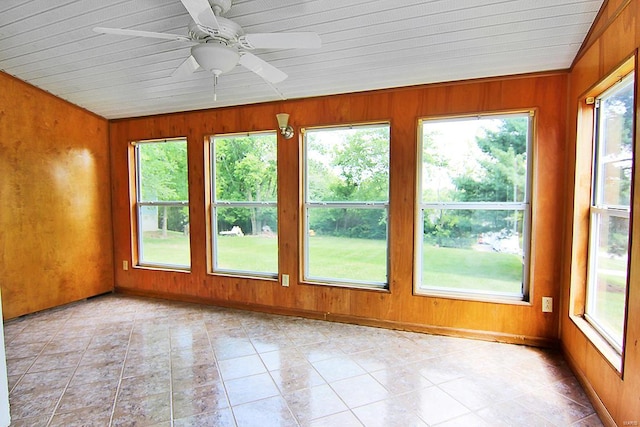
(122, 361)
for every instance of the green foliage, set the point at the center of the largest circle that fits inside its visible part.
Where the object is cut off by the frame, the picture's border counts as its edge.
(497, 173)
(503, 168)
(449, 228)
(163, 171)
(246, 170)
(348, 166)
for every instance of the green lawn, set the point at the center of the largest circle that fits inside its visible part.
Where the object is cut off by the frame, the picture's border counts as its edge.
(172, 250)
(350, 259)
(468, 269)
(610, 294)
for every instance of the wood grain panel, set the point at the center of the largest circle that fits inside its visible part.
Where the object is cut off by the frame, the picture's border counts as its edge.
(403, 108)
(55, 214)
(615, 395)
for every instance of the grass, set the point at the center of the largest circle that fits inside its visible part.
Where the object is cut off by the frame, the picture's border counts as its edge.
(610, 294)
(171, 250)
(350, 259)
(366, 260)
(471, 270)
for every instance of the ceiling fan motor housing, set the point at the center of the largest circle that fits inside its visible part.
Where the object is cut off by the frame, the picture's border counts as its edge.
(227, 30)
(220, 7)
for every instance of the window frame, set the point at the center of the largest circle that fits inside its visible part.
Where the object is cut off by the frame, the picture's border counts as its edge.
(140, 204)
(599, 209)
(215, 204)
(307, 205)
(525, 207)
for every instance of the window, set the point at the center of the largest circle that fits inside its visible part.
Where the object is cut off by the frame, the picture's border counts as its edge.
(162, 203)
(244, 209)
(610, 212)
(346, 193)
(473, 217)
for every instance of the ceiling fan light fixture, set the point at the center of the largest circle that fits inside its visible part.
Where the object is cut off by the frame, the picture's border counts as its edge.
(215, 56)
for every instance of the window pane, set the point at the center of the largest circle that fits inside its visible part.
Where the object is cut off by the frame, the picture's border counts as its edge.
(162, 171)
(244, 203)
(473, 168)
(246, 168)
(615, 147)
(165, 235)
(608, 287)
(252, 247)
(163, 231)
(475, 160)
(347, 244)
(609, 227)
(473, 250)
(348, 164)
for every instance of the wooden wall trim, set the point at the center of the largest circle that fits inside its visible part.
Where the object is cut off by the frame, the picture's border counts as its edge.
(543, 342)
(595, 400)
(594, 35)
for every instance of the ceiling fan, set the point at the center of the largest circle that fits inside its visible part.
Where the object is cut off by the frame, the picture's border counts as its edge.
(221, 44)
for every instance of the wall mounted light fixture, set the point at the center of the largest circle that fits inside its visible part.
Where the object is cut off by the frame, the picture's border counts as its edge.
(283, 123)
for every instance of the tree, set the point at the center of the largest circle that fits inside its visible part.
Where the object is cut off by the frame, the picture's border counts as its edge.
(246, 170)
(502, 174)
(503, 168)
(349, 166)
(163, 177)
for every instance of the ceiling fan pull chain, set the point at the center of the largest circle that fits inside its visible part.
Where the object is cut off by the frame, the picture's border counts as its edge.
(215, 85)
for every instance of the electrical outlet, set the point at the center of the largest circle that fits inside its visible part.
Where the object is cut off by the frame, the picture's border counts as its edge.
(285, 280)
(125, 265)
(547, 304)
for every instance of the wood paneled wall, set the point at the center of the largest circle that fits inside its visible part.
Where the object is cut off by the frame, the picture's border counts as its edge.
(614, 38)
(56, 244)
(399, 307)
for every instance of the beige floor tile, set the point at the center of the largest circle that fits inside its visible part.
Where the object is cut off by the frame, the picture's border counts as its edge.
(338, 368)
(316, 402)
(359, 391)
(142, 410)
(296, 377)
(199, 400)
(387, 413)
(241, 367)
(342, 419)
(218, 418)
(118, 360)
(269, 412)
(250, 389)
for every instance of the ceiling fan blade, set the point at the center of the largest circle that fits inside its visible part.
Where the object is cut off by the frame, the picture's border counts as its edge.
(262, 68)
(202, 14)
(306, 40)
(136, 33)
(189, 66)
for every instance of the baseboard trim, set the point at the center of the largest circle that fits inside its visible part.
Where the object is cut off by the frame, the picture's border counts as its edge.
(596, 402)
(355, 320)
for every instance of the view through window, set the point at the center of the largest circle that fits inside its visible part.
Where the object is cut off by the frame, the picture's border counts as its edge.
(473, 221)
(244, 208)
(346, 193)
(610, 211)
(162, 203)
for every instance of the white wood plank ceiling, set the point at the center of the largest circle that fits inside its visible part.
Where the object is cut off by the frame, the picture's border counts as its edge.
(366, 44)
